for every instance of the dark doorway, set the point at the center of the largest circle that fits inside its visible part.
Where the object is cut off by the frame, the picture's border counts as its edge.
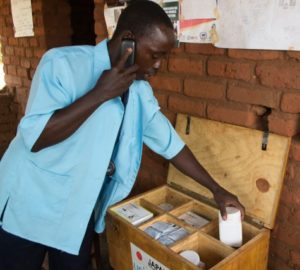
(82, 21)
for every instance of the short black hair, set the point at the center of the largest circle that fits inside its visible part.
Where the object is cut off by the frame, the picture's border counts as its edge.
(140, 16)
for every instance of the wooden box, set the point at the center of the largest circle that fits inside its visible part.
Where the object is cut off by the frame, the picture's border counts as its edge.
(234, 157)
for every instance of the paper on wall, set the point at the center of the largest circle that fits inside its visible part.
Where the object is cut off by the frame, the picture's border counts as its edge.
(22, 18)
(259, 24)
(197, 18)
(111, 16)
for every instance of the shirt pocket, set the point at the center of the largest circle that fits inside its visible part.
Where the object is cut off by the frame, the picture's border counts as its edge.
(42, 193)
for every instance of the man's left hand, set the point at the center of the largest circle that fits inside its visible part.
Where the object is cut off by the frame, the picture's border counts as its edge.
(224, 198)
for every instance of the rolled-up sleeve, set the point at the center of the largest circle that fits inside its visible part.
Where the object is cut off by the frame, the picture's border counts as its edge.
(46, 96)
(161, 137)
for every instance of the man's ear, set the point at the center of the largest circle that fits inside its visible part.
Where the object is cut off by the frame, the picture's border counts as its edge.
(128, 34)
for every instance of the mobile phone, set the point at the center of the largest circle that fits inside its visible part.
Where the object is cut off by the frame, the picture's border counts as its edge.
(128, 43)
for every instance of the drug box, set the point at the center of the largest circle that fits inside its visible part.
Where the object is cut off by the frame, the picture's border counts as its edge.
(237, 159)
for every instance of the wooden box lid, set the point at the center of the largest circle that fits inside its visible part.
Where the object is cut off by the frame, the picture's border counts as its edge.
(234, 158)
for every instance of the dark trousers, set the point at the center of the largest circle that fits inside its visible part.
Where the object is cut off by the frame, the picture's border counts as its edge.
(20, 254)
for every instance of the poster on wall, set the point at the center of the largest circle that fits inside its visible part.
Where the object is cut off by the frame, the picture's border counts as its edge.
(111, 16)
(259, 24)
(22, 18)
(197, 19)
(256, 24)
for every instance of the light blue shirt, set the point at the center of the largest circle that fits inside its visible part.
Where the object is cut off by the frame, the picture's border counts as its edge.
(48, 196)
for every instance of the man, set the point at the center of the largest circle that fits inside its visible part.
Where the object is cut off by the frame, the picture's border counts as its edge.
(54, 187)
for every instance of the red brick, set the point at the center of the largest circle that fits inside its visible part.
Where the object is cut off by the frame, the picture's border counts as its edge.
(284, 211)
(233, 114)
(34, 63)
(6, 60)
(39, 31)
(290, 102)
(279, 74)
(169, 83)
(163, 65)
(7, 119)
(190, 65)
(8, 21)
(186, 105)
(9, 50)
(37, 6)
(15, 60)
(19, 51)
(31, 73)
(209, 89)
(24, 42)
(162, 99)
(296, 257)
(279, 250)
(11, 70)
(25, 63)
(178, 50)
(39, 52)
(294, 217)
(8, 31)
(170, 115)
(22, 72)
(290, 196)
(12, 41)
(288, 234)
(206, 49)
(33, 42)
(13, 80)
(229, 69)
(277, 264)
(100, 28)
(98, 13)
(26, 82)
(253, 95)
(149, 163)
(284, 124)
(255, 54)
(295, 55)
(295, 148)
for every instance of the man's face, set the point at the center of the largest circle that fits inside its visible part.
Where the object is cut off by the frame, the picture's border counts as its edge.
(151, 49)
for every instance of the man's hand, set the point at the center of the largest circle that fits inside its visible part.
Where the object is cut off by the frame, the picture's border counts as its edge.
(224, 198)
(116, 81)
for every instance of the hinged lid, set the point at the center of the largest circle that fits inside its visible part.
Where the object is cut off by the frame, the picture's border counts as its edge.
(233, 157)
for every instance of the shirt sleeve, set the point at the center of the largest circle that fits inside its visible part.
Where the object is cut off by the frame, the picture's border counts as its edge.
(161, 137)
(47, 94)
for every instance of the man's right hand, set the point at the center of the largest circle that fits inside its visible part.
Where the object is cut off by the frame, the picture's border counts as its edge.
(116, 81)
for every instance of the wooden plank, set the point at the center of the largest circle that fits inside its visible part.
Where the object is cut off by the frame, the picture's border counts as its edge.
(233, 156)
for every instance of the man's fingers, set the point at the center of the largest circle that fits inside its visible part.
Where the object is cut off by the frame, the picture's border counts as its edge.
(132, 69)
(239, 206)
(242, 209)
(223, 212)
(121, 63)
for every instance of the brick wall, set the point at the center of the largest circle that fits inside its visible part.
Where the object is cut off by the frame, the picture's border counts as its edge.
(234, 86)
(8, 120)
(21, 55)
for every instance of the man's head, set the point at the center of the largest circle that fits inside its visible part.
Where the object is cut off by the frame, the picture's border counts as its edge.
(151, 28)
